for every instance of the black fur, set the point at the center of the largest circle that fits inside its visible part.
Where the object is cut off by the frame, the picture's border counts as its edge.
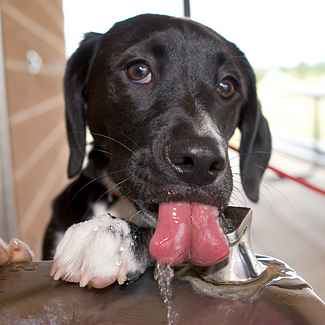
(142, 128)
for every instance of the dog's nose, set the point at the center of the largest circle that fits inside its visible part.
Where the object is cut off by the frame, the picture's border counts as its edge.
(196, 164)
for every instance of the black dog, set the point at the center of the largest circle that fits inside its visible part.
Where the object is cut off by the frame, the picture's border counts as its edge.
(161, 96)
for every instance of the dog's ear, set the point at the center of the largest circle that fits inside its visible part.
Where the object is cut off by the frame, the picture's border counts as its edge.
(75, 81)
(255, 144)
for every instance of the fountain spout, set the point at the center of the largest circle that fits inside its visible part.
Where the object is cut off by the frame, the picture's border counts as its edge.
(242, 264)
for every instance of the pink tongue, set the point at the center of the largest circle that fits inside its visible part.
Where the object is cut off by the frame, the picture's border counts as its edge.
(188, 231)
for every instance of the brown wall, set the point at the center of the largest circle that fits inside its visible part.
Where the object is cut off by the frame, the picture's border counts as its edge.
(35, 109)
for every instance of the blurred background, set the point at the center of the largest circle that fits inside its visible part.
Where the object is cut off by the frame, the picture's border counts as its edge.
(283, 40)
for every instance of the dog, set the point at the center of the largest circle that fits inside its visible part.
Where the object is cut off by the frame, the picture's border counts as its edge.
(161, 96)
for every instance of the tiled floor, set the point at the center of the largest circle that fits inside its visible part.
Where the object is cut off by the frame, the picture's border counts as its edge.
(289, 221)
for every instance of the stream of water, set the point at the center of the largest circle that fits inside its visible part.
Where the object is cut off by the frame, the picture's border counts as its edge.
(164, 275)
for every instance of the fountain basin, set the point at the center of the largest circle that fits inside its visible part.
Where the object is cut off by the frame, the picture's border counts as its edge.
(29, 296)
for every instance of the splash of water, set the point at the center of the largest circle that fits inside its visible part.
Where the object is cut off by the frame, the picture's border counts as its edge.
(164, 275)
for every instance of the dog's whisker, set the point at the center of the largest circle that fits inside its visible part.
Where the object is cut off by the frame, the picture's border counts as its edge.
(235, 200)
(114, 140)
(239, 195)
(116, 171)
(288, 203)
(135, 214)
(115, 188)
(87, 184)
(271, 188)
(130, 139)
(104, 151)
(248, 154)
(96, 179)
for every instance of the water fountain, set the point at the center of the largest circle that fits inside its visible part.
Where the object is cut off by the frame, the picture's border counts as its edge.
(245, 289)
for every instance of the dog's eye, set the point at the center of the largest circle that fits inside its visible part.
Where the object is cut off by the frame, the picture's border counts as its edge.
(139, 73)
(226, 87)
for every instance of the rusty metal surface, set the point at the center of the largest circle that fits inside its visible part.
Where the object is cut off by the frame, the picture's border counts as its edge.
(29, 296)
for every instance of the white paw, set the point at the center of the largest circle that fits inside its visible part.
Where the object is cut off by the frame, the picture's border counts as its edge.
(96, 253)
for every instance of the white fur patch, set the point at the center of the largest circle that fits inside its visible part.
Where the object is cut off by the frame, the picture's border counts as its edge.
(99, 209)
(89, 148)
(96, 252)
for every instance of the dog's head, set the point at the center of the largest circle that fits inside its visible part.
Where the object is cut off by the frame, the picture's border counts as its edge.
(163, 96)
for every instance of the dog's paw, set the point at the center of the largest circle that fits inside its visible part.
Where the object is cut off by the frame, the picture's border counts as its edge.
(15, 252)
(96, 253)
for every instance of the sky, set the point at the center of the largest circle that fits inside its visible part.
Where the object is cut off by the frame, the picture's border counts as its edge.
(277, 33)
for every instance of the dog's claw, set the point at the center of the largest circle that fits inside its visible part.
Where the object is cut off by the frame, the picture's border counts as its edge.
(53, 268)
(84, 280)
(122, 279)
(71, 278)
(122, 276)
(58, 274)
